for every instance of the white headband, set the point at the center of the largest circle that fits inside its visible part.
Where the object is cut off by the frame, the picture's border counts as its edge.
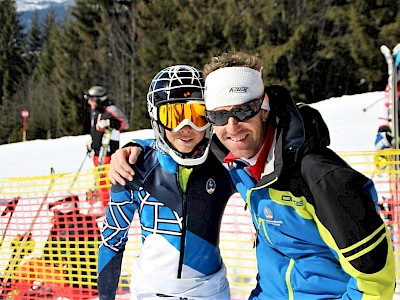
(233, 86)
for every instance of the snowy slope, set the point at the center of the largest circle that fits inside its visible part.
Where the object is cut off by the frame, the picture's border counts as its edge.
(35, 158)
(350, 128)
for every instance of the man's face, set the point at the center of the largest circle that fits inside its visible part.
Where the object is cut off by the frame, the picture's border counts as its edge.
(245, 138)
(92, 102)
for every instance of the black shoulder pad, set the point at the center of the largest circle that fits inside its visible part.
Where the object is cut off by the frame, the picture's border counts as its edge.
(316, 130)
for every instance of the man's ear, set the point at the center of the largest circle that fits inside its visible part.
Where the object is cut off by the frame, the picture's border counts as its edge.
(265, 114)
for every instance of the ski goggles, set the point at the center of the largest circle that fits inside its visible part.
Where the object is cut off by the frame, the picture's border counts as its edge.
(240, 113)
(174, 116)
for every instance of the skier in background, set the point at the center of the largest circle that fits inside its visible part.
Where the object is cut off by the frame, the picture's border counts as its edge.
(384, 136)
(384, 140)
(107, 121)
(104, 116)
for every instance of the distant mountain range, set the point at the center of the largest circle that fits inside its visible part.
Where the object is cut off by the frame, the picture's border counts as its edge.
(27, 7)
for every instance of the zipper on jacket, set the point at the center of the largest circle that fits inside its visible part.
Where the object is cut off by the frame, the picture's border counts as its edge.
(184, 221)
(183, 237)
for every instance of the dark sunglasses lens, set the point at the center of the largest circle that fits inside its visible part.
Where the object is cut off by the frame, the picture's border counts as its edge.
(219, 117)
(241, 113)
(244, 112)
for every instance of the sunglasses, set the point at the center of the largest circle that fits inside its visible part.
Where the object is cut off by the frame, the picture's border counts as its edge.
(173, 116)
(240, 113)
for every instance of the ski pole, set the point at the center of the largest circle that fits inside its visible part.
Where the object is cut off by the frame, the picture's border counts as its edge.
(104, 145)
(372, 104)
(77, 173)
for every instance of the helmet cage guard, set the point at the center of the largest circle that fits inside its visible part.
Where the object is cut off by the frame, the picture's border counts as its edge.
(178, 84)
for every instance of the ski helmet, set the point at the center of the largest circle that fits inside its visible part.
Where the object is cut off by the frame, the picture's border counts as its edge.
(179, 84)
(98, 92)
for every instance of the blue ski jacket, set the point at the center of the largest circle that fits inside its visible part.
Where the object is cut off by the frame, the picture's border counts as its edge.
(319, 235)
(180, 214)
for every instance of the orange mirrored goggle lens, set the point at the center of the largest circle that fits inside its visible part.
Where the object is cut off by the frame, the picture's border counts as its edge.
(171, 115)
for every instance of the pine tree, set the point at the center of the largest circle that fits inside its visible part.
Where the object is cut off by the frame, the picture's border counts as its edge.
(33, 43)
(12, 65)
(12, 70)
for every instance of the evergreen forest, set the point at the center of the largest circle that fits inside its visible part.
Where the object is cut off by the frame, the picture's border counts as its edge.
(316, 48)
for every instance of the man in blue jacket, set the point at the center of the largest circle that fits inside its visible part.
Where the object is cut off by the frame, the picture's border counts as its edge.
(319, 233)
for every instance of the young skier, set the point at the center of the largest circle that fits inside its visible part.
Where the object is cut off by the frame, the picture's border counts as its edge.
(180, 192)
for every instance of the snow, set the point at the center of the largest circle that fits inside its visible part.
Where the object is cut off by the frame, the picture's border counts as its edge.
(351, 129)
(66, 154)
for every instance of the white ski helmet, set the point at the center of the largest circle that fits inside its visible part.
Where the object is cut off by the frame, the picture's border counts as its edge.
(178, 84)
(98, 92)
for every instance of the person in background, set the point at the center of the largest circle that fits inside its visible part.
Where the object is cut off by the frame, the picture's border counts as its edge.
(384, 135)
(384, 140)
(319, 235)
(107, 121)
(180, 193)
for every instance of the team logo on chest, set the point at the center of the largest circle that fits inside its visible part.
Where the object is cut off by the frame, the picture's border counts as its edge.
(269, 215)
(210, 186)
